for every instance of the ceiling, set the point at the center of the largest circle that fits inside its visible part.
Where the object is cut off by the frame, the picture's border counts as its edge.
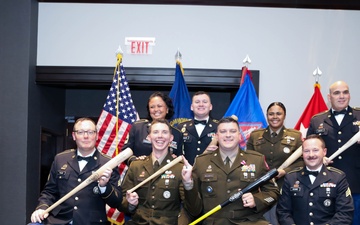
(309, 4)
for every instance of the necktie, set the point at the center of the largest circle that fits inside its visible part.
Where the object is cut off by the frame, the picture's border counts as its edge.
(227, 163)
(308, 172)
(339, 112)
(273, 134)
(79, 158)
(156, 165)
(203, 122)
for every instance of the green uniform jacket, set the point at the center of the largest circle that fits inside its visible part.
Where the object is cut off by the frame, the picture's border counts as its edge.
(159, 199)
(216, 185)
(277, 149)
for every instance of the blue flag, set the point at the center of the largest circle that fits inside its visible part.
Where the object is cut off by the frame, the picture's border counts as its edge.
(180, 97)
(247, 108)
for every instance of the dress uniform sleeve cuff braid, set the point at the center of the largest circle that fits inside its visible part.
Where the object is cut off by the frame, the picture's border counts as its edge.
(105, 197)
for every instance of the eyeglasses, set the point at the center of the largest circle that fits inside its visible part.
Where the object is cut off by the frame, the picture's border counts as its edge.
(83, 132)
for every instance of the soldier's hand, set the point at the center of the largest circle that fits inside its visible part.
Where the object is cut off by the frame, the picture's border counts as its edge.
(327, 161)
(186, 171)
(132, 198)
(38, 216)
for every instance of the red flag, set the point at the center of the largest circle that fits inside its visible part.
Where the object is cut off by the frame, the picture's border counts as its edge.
(114, 124)
(315, 106)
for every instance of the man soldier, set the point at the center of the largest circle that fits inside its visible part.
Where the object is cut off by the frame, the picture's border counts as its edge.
(225, 171)
(198, 132)
(315, 194)
(68, 170)
(336, 126)
(157, 202)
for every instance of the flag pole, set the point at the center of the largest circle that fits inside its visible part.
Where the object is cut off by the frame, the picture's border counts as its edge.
(119, 55)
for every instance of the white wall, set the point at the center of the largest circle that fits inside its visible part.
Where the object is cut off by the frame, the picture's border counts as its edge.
(286, 45)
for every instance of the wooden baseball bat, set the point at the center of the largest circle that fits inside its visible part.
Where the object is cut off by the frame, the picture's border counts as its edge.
(157, 173)
(94, 177)
(349, 143)
(291, 159)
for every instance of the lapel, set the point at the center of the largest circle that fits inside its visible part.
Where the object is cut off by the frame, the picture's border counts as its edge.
(266, 135)
(304, 179)
(322, 177)
(191, 128)
(217, 160)
(210, 127)
(348, 118)
(73, 162)
(93, 163)
(330, 120)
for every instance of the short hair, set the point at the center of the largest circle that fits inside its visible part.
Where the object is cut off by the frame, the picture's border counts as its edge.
(166, 99)
(84, 119)
(164, 121)
(227, 120)
(315, 136)
(201, 93)
(278, 104)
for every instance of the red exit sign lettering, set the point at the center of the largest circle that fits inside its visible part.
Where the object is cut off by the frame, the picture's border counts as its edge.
(139, 45)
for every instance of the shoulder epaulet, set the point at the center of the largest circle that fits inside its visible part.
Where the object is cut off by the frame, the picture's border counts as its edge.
(205, 153)
(336, 170)
(142, 121)
(321, 113)
(67, 151)
(248, 151)
(258, 130)
(106, 156)
(297, 169)
(292, 130)
(183, 122)
(215, 120)
(356, 108)
(175, 128)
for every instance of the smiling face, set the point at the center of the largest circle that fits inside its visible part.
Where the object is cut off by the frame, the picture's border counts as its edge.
(157, 108)
(228, 135)
(160, 136)
(339, 95)
(84, 138)
(275, 117)
(201, 106)
(313, 153)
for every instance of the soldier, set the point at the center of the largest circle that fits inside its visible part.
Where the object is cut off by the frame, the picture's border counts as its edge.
(315, 194)
(223, 172)
(157, 202)
(159, 106)
(198, 132)
(336, 126)
(276, 143)
(68, 170)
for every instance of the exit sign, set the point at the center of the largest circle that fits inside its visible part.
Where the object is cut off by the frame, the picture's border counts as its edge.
(139, 45)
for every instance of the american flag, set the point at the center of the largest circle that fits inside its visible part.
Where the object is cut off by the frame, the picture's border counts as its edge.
(114, 124)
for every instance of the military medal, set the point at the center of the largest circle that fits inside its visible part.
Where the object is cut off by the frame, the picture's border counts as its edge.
(167, 181)
(167, 194)
(209, 169)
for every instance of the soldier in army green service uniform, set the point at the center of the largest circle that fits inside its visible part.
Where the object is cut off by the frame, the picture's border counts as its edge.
(200, 131)
(157, 202)
(315, 194)
(225, 171)
(277, 143)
